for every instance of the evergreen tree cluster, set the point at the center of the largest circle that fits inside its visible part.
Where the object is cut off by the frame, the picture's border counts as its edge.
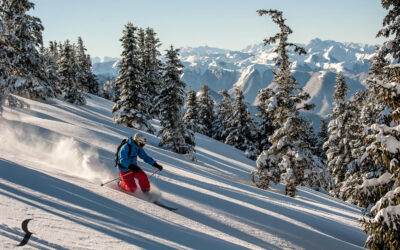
(21, 64)
(70, 67)
(228, 121)
(148, 89)
(32, 71)
(131, 108)
(363, 146)
(241, 129)
(176, 134)
(383, 138)
(282, 141)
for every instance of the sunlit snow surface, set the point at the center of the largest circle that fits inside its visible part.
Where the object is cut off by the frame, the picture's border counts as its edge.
(54, 156)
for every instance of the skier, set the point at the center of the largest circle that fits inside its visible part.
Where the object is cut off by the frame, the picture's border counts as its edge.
(127, 164)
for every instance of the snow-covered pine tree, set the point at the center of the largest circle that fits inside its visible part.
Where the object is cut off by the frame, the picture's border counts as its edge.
(338, 149)
(144, 64)
(85, 76)
(22, 35)
(318, 177)
(373, 111)
(354, 171)
(131, 107)
(141, 47)
(148, 45)
(242, 130)
(5, 56)
(356, 104)
(174, 134)
(384, 140)
(323, 136)
(94, 87)
(191, 118)
(224, 112)
(310, 137)
(8, 56)
(266, 106)
(289, 157)
(154, 69)
(51, 67)
(206, 110)
(81, 66)
(53, 50)
(69, 86)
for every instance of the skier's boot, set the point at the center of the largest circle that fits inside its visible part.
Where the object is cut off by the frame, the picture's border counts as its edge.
(147, 195)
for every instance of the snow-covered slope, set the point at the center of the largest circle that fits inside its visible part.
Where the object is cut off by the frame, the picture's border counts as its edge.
(54, 156)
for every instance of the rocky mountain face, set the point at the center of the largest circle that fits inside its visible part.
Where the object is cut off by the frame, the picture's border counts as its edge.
(252, 68)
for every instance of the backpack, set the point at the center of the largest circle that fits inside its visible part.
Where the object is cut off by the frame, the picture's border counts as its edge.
(123, 142)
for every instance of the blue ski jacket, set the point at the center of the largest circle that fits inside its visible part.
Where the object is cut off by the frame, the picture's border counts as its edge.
(126, 160)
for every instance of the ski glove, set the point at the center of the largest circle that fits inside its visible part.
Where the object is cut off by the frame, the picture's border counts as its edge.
(156, 165)
(134, 168)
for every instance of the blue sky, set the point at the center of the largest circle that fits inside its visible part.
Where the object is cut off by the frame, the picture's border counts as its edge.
(229, 24)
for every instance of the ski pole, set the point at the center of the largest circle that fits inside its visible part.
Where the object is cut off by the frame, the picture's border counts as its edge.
(119, 177)
(154, 173)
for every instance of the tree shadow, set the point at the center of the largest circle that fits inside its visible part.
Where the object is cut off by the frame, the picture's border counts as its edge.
(324, 229)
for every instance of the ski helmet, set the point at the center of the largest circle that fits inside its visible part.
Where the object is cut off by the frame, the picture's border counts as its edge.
(140, 140)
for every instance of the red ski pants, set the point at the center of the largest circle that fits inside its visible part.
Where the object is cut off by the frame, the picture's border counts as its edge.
(128, 181)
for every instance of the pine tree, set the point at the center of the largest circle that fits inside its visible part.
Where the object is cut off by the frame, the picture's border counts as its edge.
(323, 137)
(131, 107)
(363, 110)
(51, 67)
(154, 69)
(373, 111)
(144, 64)
(69, 85)
(224, 115)
(206, 110)
(384, 140)
(85, 76)
(241, 127)
(22, 62)
(354, 171)
(81, 65)
(338, 149)
(266, 106)
(310, 136)
(356, 104)
(318, 177)
(289, 157)
(7, 57)
(191, 115)
(5, 54)
(141, 36)
(174, 134)
(53, 50)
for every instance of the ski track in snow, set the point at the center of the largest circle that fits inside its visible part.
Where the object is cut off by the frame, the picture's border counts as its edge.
(54, 156)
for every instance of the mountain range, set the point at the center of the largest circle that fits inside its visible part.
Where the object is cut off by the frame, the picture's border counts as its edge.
(252, 68)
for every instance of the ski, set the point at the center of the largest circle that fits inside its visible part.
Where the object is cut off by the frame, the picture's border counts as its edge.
(165, 206)
(158, 203)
